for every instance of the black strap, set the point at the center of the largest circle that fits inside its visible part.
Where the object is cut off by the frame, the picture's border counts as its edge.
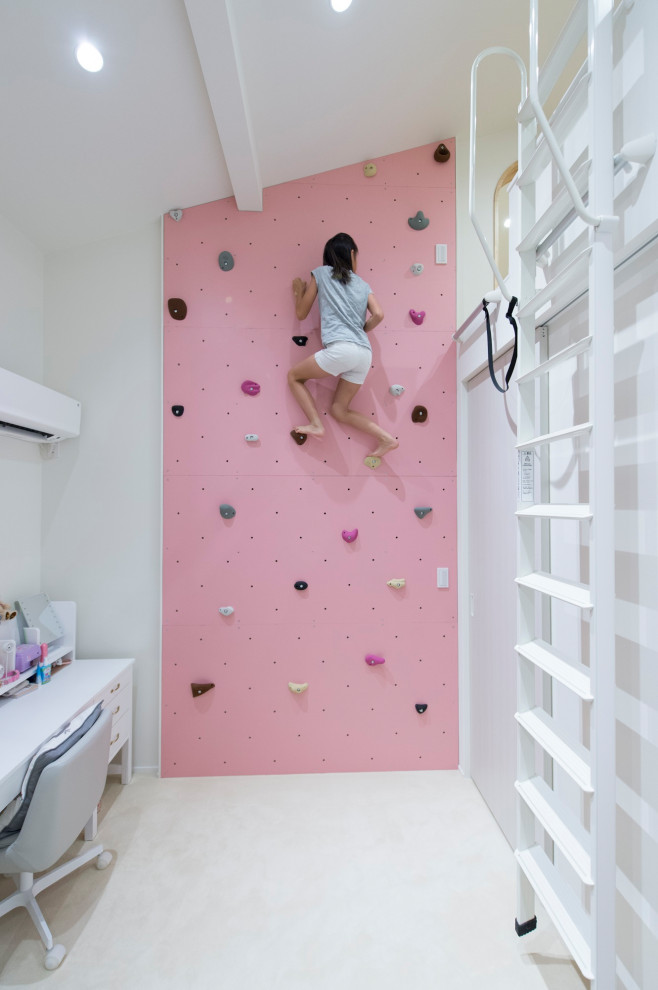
(510, 318)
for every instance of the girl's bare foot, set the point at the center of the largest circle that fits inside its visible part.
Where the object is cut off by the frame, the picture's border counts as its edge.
(311, 430)
(385, 447)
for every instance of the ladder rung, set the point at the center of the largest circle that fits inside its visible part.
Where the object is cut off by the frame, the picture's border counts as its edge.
(565, 591)
(561, 824)
(573, 350)
(571, 104)
(566, 434)
(543, 655)
(560, 208)
(560, 903)
(570, 281)
(553, 510)
(536, 724)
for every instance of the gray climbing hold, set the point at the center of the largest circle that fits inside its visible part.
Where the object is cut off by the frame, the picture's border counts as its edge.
(226, 511)
(417, 268)
(178, 410)
(301, 585)
(226, 261)
(396, 389)
(421, 708)
(419, 222)
(422, 511)
(227, 610)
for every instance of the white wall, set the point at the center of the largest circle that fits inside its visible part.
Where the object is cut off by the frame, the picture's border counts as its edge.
(101, 497)
(21, 351)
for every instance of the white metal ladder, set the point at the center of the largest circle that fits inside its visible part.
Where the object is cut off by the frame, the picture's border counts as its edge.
(557, 843)
(566, 856)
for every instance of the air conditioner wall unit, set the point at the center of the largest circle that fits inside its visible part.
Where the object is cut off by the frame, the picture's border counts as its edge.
(29, 411)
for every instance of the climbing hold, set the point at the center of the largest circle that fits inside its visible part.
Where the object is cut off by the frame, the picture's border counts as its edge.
(250, 388)
(176, 215)
(177, 309)
(417, 268)
(419, 414)
(226, 261)
(251, 437)
(421, 708)
(349, 535)
(417, 317)
(227, 610)
(396, 389)
(301, 585)
(300, 341)
(374, 660)
(372, 462)
(297, 688)
(369, 169)
(198, 689)
(442, 154)
(419, 222)
(178, 410)
(226, 511)
(299, 438)
(396, 583)
(422, 511)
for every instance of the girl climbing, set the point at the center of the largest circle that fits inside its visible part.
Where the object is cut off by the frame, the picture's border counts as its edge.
(345, 301)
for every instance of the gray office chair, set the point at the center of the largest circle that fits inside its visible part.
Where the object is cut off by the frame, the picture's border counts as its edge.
(64, 799)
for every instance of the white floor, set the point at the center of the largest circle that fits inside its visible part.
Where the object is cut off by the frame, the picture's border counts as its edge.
(324, 882)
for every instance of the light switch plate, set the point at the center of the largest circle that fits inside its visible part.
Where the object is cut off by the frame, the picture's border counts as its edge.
(441, 254)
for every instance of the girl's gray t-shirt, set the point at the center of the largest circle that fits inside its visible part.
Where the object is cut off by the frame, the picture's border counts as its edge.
(343, 308)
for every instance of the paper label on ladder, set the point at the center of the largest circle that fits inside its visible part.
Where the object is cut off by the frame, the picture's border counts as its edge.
(526, 476)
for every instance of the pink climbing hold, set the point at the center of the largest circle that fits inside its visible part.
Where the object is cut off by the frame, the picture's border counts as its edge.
(349, 535)
(250, 388)
(417, 317)
(373, 660)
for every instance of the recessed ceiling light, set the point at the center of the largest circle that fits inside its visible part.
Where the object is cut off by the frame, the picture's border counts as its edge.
(340, 5)
(89, 57)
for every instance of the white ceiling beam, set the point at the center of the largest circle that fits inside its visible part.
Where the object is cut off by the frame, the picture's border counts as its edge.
(215, 37)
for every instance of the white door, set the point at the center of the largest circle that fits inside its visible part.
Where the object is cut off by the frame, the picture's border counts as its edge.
(491, 426)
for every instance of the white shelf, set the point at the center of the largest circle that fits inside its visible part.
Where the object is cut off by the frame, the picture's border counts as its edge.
(567, 833)
(564, 591)
(561, 905)
(574, 759)
(548, 659)
(553, 510)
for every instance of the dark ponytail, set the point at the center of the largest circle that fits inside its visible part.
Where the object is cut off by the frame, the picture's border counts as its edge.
(338, 255)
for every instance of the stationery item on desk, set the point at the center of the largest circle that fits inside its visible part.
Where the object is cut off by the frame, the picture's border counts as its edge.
(27, 655)
(44, 670)
(8, 654)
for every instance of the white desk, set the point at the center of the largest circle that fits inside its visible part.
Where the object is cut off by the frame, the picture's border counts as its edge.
(26, 723)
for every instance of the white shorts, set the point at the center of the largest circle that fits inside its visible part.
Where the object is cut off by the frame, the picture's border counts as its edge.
(350, 361)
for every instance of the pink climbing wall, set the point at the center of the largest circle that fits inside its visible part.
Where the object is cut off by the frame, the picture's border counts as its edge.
(292, 502)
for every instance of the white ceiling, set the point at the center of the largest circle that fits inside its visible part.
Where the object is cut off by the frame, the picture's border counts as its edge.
(273, 90)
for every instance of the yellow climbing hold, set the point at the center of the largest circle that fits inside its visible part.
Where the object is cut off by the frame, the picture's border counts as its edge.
(396, 583)
(372, 462)
(297, 688)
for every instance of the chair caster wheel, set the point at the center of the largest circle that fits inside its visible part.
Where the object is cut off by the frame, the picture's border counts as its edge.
(54, 956)
(104, 860)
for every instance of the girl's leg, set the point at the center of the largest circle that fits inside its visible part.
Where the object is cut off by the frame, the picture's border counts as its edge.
(341, 411)
(297, 378)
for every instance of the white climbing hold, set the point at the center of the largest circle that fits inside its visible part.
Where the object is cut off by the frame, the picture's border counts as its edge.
(396, 389)
(417, 268)
(297, 688)
(251, 437)
(227, 610)
(396, 583)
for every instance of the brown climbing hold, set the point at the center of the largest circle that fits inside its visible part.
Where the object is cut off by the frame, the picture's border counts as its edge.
(442, 153)
(299, 438)
(177, 309)
(198, 689)
(419, 414)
